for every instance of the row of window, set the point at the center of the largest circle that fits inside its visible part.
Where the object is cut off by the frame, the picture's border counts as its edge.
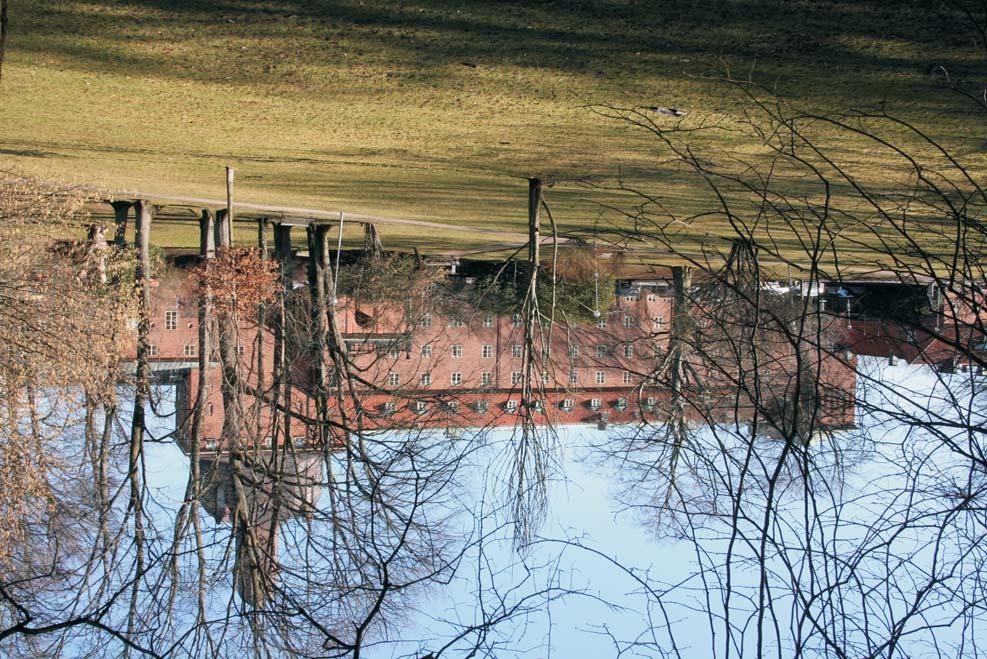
(488, 320)
(511, 406)
(517, 351)
(486, 378)
(188, 350)
(171, 320)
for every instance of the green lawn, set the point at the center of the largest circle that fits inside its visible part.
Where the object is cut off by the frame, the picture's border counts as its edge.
(438, 109)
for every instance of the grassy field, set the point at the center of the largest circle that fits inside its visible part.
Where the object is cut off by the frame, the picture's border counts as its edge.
(439, 109)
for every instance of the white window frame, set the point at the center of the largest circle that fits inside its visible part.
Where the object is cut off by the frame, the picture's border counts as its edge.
(427, 350)
(171, 320)
(515, 320)
(573, 377)
(628, 352)
(602, 351)
(425, 379)
(393, 379)
(188, 350)
(516, 377)
(486, 378)
(456, 379)
(427, 320)
(488, 320)
(601, 377)
(486, 352)
(517, 351)
(457, 351)
(628, 377)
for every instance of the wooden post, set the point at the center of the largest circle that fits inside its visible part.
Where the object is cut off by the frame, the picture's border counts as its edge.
(282, 244)
(229, 193)
(262, 225)
(207, 234)
(121, 209)
(224, 232)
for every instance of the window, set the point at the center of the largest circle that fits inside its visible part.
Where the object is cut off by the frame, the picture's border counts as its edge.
(658, 321)
(567, 404)
(652, 297)
(239, 350)
(457, 322)
(457, 351)
(482, 406)
(189, 350)
(628, 320)
(573, 377)
(516, 351)
(602, 351)
(630, 298)
(487, 352)
(628, 378)
(420, 406)
(602, 322)
(171, 320)
(427, 320)
(427, 350)
(601, 377)
(152, 350)
(629, 352)
(457, 378)
(390, 407)
(511, 406)
(488, 320)
(425, 379)
(649, 403)
(515, 320)
(211, 408)
(394, 352)
(393, 379)
(595, 403)
(573, 351)
(515, 377)
(486, 378)
(544, 377)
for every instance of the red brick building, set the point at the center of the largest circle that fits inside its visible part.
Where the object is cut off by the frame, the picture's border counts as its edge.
(446, 372)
